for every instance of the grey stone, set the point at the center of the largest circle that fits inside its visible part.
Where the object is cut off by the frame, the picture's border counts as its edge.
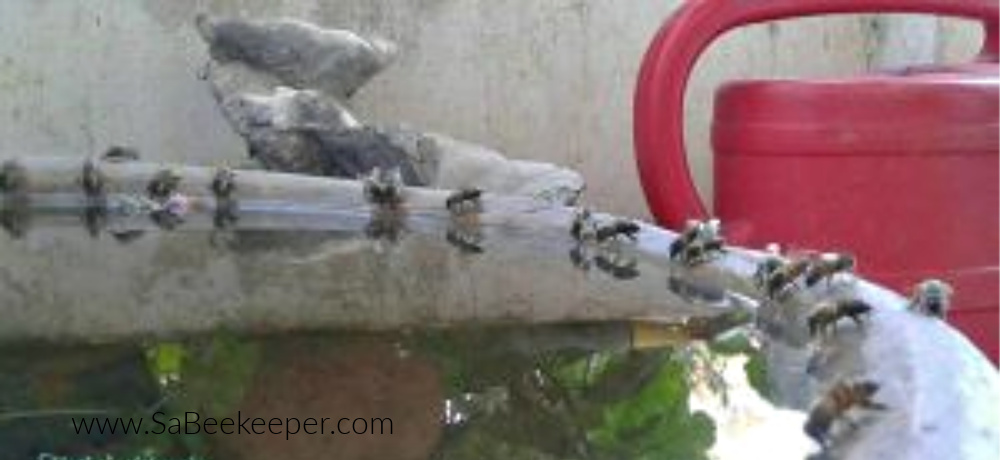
(299, 54)
(305, 131)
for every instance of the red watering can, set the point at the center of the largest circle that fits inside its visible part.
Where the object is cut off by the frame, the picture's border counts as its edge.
(900, 168)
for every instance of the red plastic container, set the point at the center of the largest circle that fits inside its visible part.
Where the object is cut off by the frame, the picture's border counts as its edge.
(901, 168)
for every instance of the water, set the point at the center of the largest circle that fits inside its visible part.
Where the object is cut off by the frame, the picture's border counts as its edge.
(575, 390)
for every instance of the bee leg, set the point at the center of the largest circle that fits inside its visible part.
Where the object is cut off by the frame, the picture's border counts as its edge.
(819, 433)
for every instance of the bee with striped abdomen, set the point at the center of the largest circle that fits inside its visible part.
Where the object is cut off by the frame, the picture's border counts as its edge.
(464, 200)
(384, 187)
(778, 280)
(699, 241)
(827, 265)
(827, 314)
(836, 403)
(613, 230)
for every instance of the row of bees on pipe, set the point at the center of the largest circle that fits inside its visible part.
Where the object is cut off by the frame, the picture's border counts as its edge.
(162, 201)
(167, 206)
(777, 278)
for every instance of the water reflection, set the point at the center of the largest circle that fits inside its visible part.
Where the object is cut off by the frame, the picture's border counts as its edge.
(635, 389)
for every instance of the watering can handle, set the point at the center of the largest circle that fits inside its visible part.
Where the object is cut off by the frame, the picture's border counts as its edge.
(659, 97)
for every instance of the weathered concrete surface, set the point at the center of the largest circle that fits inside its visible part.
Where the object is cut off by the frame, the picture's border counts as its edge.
(549, 81)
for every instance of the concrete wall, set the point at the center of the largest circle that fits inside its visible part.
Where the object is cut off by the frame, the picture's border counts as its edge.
(548, 80)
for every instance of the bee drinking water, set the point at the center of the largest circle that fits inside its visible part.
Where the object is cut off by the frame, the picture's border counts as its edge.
(828, 265)
(698, 241)
(765, 268)
(593, 248)
(163, 188)
(932, 297)
(464, 200)
(781, 277)
(836, 403)
(384, 187)
(618, 228)
(828, 313)
(223, 186)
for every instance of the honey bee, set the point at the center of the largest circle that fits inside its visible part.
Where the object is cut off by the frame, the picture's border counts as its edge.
(765, 268)
(384, 187)
(780, 279)
(163, 184)
(835, 404)
(771, 262)
(697, 242)
(223, 183)
(172, 205)
(827, 265)
(463, 200)
(691, 231)
(932, 297)
(827, 314)
(223, 186)
(13, 178)
(702, 251)
(613, 230)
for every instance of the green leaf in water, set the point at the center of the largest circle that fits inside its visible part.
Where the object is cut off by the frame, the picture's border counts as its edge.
(166, 361)
(656, 423)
